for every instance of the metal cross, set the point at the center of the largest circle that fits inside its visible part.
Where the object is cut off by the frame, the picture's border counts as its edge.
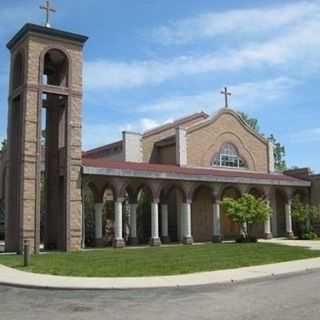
(226, 94)
(47, 9)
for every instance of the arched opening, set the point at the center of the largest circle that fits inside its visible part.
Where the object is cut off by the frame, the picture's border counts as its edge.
(55, 68)
(301, 196)
(257, 230)
(108, 216)
(202, 214)
(173, 196)
(18, 71)
(89, 201)
(230, 229)
(281, 199)
(144, 199)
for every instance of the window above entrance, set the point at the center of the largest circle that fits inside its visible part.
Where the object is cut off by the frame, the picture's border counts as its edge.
(228, 156)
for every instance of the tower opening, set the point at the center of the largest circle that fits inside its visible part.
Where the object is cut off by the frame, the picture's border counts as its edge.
(18, 71)
(55, 71)
(54, 187)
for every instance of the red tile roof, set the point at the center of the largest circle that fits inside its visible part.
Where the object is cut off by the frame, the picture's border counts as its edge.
(168, 168)
(101, 149)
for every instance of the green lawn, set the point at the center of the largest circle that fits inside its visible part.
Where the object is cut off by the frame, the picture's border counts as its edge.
(158, 261)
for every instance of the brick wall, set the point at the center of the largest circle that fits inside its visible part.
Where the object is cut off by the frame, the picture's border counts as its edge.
(206, 139)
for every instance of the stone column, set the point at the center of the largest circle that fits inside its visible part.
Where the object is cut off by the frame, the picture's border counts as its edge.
(164, 224)
(118, 241)
(216, 236)
(155, 240)
(267, 225)
(133, 224)
(187, 234)
(98, 222)
(289, 219)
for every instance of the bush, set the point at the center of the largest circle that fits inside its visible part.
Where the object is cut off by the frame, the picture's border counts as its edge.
(305, 217)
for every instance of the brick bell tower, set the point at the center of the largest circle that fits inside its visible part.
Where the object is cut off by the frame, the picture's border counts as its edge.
(44, 139)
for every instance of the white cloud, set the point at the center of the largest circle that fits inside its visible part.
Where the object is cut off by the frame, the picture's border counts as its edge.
(148, 124)
(248, 95)
(98, 134)
(245, 96)
(240, 21)
(306, 136)
(300, 47)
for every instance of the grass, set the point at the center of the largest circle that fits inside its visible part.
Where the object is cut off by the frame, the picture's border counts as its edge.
(158, 261)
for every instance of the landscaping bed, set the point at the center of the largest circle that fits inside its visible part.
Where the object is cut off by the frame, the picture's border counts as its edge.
(158, 261)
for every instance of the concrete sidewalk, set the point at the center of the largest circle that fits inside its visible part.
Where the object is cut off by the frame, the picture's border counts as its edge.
(311, 244)
(9, 276)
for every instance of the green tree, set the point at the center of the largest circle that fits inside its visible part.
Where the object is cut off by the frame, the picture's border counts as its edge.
(305, 217)
(4, 145)
(247, 211)
(279, 151)
(252, 122)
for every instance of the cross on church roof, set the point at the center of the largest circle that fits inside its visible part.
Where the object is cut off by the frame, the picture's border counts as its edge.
(48, 9)
(226, 94)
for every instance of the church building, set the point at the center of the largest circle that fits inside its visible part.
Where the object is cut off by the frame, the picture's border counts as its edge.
(159, 186)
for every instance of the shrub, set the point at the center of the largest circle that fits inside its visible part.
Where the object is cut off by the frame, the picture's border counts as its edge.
(305, 217)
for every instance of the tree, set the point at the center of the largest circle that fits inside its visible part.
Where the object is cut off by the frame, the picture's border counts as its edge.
(4, 145)
(279, 151)
(305, 217)
(252, 122)
(247, 211)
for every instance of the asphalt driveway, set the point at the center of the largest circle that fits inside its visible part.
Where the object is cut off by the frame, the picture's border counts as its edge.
(286, 297)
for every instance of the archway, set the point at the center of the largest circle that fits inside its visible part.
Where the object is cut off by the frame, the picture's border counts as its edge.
(229, 229)
(18, 71)
(173, 196)
(54, 143)
(55, 71)
(144, 199)
(89, 195)
(202, 214)
(281, 200)
(257, 230)
(108, 216)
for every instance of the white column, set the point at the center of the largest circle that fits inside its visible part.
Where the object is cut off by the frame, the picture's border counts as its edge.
(267, 228)
(118, 233)
(133, 220)
(187, 234)
(155, 240)
(289, 219)
(98, 219)
(216, 222)
(164, 223)
(267, 225)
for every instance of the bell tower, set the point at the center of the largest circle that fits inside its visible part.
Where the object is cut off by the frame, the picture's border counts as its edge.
(44, 139)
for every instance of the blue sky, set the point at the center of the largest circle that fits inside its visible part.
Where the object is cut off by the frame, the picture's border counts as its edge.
(148, 62)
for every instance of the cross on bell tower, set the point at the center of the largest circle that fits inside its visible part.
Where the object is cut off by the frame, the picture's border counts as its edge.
(226, 94)
(48, 9)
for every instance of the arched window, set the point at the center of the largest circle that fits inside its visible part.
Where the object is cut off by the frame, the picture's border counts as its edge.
(55, 71)
(228, 156)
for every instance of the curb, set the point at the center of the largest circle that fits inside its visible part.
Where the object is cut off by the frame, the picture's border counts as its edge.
(22, 279)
